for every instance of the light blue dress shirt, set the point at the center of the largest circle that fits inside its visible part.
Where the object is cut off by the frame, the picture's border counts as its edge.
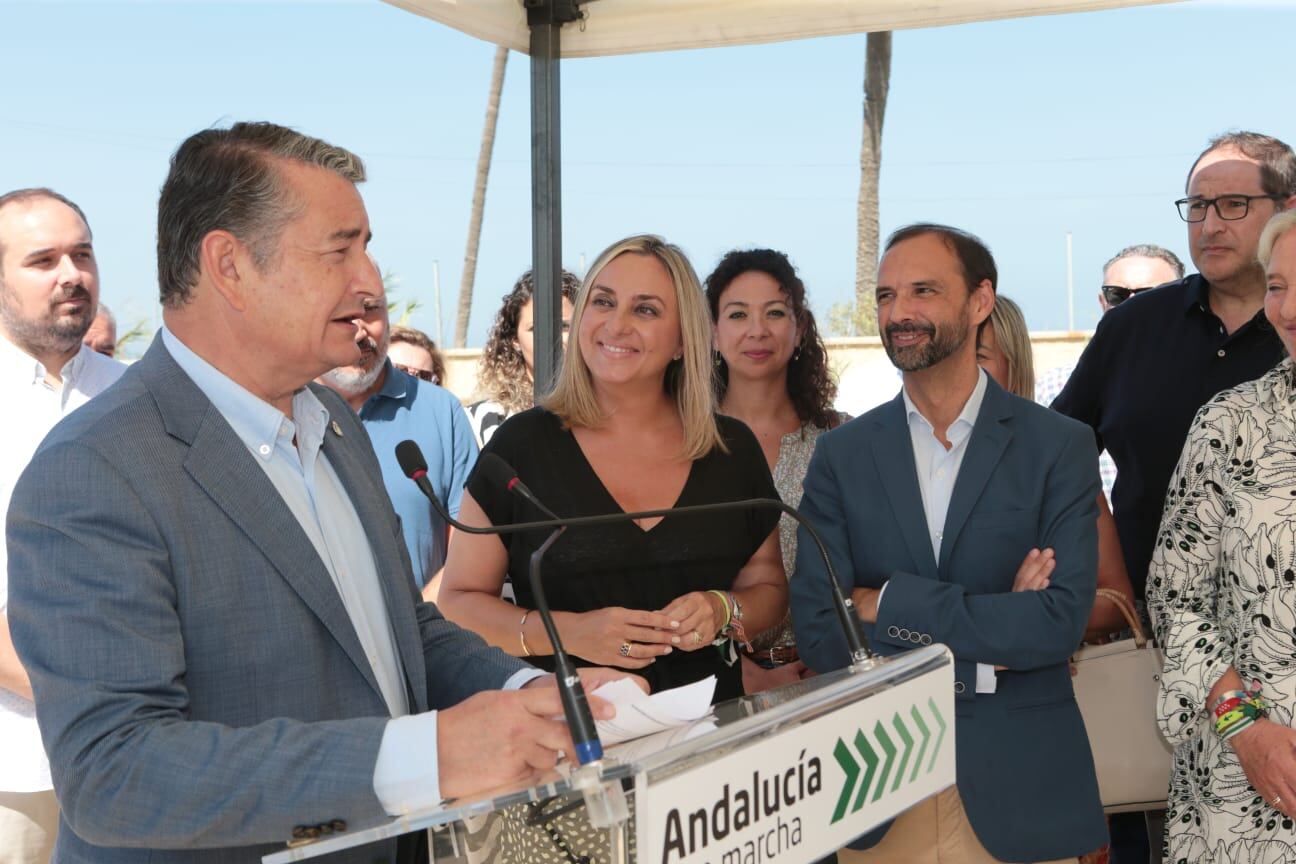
(938, 469)
(407, 408)
(288, 450)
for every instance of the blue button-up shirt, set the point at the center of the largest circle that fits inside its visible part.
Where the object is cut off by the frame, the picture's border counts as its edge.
(407, 408)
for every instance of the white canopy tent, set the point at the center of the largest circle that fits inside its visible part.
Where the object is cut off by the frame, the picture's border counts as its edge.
(551, 29)
(638, 26)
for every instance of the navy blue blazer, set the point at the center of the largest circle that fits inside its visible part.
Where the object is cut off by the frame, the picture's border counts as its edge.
(1029, 479)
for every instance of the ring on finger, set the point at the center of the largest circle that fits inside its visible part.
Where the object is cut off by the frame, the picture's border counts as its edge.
(1277, 801)
(624, 650)
(697, 638)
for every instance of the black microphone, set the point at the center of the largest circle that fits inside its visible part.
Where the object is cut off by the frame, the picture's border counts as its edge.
(499, 471)
(501, 474)
(580, 721)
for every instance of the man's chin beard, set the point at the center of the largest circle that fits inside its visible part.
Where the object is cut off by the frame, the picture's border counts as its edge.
(37, 337)
(353, 380)
(940, 344)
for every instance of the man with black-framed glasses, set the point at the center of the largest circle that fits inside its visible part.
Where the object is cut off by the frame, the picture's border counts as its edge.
(1154, 362)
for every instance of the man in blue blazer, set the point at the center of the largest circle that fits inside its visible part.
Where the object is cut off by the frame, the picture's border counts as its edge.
(209, 586)
(960, 514)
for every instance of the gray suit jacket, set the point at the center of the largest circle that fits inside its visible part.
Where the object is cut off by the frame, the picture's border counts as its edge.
(199, 686)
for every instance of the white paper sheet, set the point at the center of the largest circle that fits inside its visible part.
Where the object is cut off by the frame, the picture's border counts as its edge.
(631, 751)
(639, 714)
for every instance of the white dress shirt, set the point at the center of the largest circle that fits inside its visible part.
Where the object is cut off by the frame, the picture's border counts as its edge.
(288, 450)
(938, 469)
(33, 407)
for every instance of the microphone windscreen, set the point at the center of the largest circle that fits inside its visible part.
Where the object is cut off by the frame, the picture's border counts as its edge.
(498, 473)
(410, 458)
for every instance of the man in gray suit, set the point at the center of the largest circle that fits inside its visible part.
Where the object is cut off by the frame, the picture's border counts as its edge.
(209, 587)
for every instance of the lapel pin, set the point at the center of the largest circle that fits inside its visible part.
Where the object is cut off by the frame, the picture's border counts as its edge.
(337, 430)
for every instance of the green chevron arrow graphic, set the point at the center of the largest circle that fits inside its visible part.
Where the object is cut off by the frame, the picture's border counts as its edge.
(843, 756)
(940, 721)
(880, 733)
(904, 756)
(870, 762)
(922, 748)
(864, 764)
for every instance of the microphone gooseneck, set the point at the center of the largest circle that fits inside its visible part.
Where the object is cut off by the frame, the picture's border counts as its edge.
(412, 463)
(580, 721)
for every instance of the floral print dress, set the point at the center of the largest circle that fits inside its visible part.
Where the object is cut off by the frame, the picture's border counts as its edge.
(1222, 591)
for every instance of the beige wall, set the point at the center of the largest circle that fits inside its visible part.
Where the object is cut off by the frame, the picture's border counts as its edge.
(865, 375)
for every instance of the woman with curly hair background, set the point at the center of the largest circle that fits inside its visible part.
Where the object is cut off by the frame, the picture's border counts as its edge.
(507, 371)
(772, 374)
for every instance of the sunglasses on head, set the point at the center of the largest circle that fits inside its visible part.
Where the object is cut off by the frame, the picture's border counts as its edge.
(1118, 294)
(422, 374)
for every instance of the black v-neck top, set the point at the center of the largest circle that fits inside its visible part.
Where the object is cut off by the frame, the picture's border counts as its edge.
(621, 564)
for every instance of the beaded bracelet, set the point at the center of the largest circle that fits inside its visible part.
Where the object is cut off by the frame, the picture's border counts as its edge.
(1235, 710)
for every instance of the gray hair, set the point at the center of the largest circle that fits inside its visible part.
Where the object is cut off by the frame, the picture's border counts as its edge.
(1147, 250)
(106, 313)
(35, 193)
(1277, 161)
(226, 180)
(1277, 226)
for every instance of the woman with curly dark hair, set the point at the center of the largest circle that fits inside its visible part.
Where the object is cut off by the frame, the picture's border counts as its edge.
(772, 373)
(507, 369)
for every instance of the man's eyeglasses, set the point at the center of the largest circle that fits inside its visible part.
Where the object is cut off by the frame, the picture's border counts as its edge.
(422, 374)
(1227, 207)
(1118, 294)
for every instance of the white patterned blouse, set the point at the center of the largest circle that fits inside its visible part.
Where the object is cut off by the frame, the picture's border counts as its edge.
(1222, 591)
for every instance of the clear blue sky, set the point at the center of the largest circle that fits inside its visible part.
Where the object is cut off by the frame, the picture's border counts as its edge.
(1019, 131)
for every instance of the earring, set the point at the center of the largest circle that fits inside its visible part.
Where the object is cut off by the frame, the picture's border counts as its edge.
(719, 359)
(796, 355)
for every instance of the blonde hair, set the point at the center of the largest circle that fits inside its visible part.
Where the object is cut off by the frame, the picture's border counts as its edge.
(688, 380)
(1278, 225)
(1014, 341)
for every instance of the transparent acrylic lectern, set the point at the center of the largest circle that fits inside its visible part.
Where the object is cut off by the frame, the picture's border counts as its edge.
(785, 776)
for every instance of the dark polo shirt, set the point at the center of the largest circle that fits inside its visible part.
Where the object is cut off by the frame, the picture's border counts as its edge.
(1153, 361)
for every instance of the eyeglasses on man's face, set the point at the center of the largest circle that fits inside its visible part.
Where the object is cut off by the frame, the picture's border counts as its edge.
(1118, 294)
(1227, 207)
(422, 374)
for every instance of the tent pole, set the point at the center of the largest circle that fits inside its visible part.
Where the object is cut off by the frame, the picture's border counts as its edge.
(545, 18)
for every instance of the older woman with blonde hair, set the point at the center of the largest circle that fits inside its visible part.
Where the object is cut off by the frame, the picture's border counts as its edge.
(1222, 594)
(631, 425)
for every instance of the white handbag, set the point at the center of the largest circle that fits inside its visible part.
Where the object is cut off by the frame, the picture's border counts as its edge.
(1116, 686)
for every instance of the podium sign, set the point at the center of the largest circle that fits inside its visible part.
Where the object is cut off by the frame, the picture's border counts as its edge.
(779, 777)
(808, 790)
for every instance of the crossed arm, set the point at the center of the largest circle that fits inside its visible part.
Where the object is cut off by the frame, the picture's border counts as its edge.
(1019, 630)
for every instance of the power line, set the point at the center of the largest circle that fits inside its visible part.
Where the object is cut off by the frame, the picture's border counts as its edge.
(607, 163)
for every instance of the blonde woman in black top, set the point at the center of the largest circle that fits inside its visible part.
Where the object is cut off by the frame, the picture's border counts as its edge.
(630, 426)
